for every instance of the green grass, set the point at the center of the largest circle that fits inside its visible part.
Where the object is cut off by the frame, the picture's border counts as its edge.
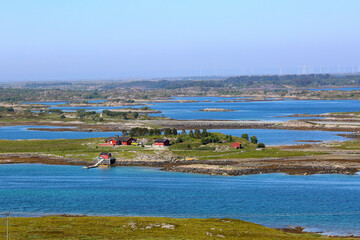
(56, 227)
(348, 145)
(88, 149)
(237, 154)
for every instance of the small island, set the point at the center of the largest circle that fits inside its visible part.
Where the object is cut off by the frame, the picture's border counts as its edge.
(216, 110)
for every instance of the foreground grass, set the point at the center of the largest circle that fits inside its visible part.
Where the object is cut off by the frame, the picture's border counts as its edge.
(58, 227)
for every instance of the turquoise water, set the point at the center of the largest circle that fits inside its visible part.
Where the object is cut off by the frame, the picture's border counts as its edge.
(267, 136)
(259, 110)
(21, 132)
(319, 202)
(284, 137)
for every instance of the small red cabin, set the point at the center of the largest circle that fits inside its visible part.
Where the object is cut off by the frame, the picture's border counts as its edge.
(105, 155)
(161, 142)
(113, 141)
(236, 145)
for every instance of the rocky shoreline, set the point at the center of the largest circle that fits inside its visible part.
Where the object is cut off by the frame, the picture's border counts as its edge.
(288, 165)
(230, 171)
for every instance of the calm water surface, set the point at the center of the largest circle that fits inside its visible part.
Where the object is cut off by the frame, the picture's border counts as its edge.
(267, 136)
(319, 202)
(259, 110)
(21, 132)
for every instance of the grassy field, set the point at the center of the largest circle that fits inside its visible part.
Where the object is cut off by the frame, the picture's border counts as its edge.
(88, 149)
(58, 227)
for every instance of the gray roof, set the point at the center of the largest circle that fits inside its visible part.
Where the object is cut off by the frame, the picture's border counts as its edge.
(122, 139)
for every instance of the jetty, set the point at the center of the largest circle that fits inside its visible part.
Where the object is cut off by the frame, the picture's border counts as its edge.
(105, 160)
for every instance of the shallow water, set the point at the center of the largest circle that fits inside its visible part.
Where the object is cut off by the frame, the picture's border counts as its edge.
(318, 202)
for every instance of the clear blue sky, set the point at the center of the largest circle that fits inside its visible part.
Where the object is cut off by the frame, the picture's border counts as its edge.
(114, 39)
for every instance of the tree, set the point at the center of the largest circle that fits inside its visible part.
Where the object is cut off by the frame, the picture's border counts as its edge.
(167, 132)
(197, 134)
(183, 132)
(157, 131)
(174, 131)
(205, 133)
(191, 134)
(62, 116)
(81, 113)
(261, 145)
(245, 136)
(254, 139)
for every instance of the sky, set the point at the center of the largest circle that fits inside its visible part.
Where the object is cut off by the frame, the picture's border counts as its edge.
(113, 39)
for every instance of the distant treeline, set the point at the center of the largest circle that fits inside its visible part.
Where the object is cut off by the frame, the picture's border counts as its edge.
(31, 94)
(280, 81)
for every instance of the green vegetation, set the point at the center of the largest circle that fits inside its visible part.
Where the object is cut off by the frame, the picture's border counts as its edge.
(34, 114)
(261, 145)
(6, 109)
(183, 145)
(85, 149)
(72, 227)
(254, 139)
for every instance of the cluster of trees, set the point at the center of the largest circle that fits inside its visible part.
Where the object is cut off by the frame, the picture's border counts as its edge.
(82, 113)
(139, 132)
(6, 109)
(253, 139)
(123, 115)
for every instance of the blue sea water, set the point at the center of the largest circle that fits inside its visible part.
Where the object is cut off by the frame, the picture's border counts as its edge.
(329, 203)
(267, 136)
(340, 88)
(21, 132)
(258, 110)
(284, 137)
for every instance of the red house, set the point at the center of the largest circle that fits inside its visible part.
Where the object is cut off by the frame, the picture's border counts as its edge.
(236, 145)
(161, 142)
(113, 141)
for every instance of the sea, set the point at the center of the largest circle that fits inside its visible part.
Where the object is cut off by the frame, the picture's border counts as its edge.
(326, 203)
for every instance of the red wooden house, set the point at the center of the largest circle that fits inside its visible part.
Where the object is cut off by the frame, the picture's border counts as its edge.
(236, 145)
(161, 142)
(113, 141)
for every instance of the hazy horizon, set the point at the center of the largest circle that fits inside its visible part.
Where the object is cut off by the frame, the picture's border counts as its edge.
(109, 40)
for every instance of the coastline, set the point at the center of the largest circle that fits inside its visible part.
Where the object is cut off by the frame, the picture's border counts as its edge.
(301, 165)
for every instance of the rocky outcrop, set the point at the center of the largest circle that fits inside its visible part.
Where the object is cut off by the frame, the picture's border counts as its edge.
(231, 171)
